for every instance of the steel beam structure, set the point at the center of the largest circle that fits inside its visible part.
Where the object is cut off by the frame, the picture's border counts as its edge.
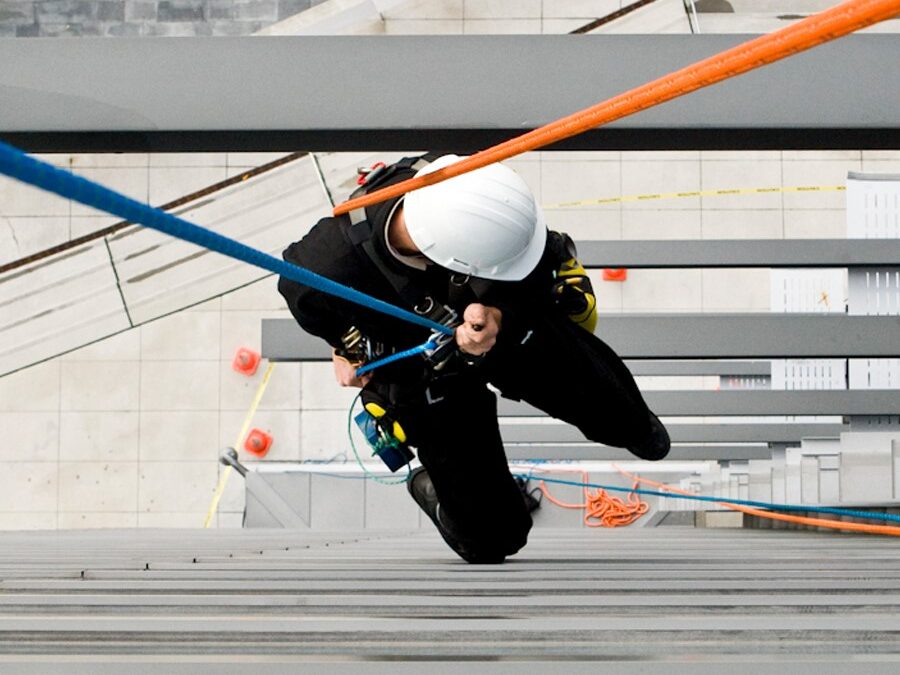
(751, 403)
(714, 253)
(523, 432)
(683, 336)
(459, 93)
(679, 453)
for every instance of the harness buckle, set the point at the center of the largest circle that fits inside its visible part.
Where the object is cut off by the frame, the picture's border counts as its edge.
(365, 175)
(358, 348)
(444, 344)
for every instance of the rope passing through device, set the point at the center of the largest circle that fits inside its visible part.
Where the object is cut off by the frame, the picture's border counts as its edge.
(421, 349)
(810, 32)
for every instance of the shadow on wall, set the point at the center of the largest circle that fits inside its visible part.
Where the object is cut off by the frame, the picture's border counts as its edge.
(714, 6)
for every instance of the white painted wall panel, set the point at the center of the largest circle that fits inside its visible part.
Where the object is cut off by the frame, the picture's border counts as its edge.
(51, 308)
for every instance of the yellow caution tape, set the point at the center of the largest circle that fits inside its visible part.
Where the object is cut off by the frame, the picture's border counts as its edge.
(696, 193)
(223, 479)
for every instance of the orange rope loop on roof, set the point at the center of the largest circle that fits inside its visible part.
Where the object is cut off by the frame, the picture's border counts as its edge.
(602, 509)
(817, 29)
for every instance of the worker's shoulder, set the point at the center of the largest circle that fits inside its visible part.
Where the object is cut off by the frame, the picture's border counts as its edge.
(325, 241)
(328, 231)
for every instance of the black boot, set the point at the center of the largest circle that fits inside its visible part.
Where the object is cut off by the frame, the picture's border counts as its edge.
(657, 444)
(532, 503)
(422, 490)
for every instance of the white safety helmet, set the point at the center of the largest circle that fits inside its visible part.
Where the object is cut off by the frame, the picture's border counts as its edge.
(485, 223)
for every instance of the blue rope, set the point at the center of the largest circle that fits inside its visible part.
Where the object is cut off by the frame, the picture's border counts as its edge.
(395, 357)
(742, 502)
(17, 164)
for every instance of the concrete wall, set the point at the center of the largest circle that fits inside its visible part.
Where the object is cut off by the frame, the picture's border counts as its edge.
(116, 18)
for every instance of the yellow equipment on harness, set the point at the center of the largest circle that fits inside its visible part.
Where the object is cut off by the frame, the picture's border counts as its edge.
(574, 293)
(378, 412)
(385, 435)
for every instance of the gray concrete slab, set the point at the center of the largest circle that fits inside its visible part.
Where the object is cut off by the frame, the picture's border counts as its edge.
(716, 253)
(635, 599)
(752, 402)
(372, 92)
(682, 336)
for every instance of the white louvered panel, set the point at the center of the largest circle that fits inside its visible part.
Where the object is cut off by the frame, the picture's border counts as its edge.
(808, 291)
(875, 292)
(161, 274)
(873, 206)
(873, 211)
(809, 374)
(802, 290)
(745, 382)
(58, 305)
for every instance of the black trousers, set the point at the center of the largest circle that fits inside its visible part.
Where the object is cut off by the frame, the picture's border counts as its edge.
(452, 422)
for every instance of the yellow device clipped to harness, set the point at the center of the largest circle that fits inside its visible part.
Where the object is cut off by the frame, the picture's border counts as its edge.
(378, 412)
(384, 435)
(574, 293)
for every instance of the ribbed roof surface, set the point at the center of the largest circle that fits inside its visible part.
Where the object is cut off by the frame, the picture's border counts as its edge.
(676, 599)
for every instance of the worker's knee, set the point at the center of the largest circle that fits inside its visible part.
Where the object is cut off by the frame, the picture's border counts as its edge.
(491, 540)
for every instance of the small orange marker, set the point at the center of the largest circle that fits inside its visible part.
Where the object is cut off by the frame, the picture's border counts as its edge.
(246, 361)
(258, 442)
(615, 274)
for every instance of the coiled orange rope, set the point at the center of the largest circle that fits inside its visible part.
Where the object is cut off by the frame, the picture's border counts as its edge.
(602, 509)
(817, 29)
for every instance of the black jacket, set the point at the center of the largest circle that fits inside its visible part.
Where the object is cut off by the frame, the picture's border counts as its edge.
(329, 250)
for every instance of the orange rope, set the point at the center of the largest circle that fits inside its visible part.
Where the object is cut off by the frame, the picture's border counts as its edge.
(829, 25)
(802, 520)
(603, 510)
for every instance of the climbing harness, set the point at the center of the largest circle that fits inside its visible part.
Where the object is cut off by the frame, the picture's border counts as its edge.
(441, 344)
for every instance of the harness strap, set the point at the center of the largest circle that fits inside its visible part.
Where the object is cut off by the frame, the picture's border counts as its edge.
(361, 233)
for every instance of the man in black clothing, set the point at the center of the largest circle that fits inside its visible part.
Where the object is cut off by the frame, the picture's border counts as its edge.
(471, 252)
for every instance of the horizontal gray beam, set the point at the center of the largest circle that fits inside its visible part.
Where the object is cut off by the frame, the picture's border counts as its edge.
(602, 453)
(727, 336)
(524, 432)
(284, 340)
(677, 368)
(684, 336)
(368, 93)
(753, 403)
(741, 253)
